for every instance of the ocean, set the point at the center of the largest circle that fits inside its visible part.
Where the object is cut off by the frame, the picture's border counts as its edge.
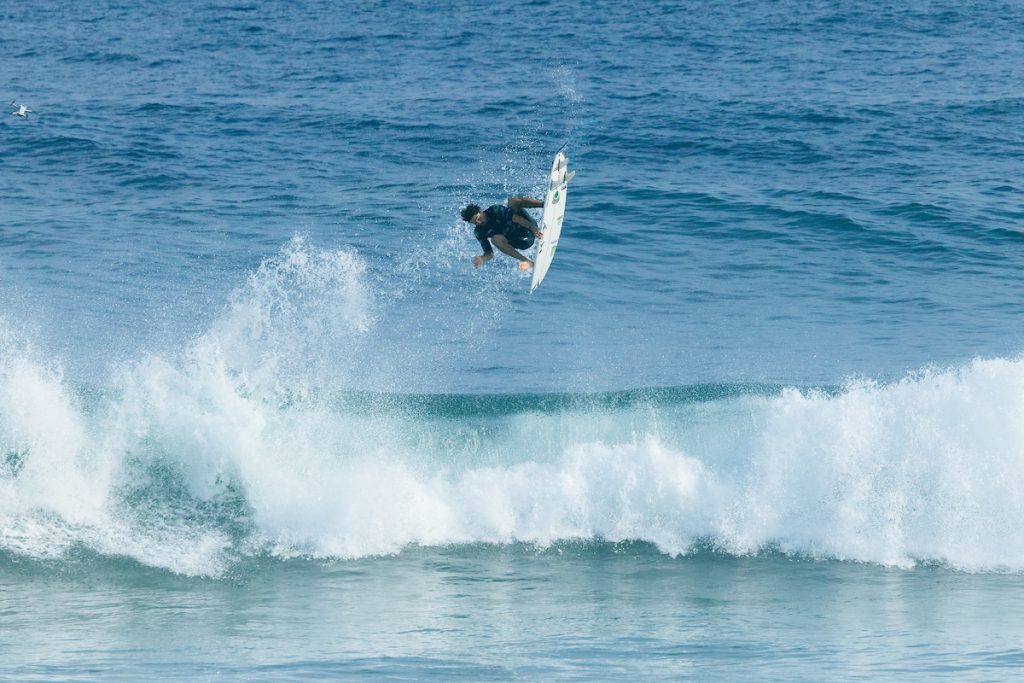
(261, 419)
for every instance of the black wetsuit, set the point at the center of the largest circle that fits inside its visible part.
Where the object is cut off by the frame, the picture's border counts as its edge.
(499, 222)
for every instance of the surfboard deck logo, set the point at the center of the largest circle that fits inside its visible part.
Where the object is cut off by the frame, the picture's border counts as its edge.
(554, 214)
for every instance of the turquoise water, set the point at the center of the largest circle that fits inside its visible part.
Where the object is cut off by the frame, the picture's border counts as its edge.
(259, 416)
(577, 611)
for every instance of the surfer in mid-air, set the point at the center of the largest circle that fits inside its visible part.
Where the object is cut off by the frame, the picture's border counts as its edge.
(510, 228)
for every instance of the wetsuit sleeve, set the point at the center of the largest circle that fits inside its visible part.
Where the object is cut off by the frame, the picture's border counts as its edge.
(485, 243)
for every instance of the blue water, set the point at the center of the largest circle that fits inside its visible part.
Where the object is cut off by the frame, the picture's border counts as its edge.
(260, 417)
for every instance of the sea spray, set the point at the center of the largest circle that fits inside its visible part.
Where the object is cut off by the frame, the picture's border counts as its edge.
(298, 316)
(42, 435)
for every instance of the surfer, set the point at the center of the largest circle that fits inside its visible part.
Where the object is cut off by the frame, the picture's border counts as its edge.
(510, 228)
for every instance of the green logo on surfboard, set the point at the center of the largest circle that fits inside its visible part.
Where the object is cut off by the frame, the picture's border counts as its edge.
(556, 196)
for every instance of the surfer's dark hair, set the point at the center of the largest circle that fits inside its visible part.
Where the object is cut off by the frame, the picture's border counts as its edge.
(470, 211)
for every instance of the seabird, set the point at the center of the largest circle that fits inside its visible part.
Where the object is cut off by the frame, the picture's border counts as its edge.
(21, 110)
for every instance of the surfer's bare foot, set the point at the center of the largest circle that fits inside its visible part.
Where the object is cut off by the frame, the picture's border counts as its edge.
(525, 265)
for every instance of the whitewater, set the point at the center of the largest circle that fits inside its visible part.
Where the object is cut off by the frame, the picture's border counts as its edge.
(233, 448)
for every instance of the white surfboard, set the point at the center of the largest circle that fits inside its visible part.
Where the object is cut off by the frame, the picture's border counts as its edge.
(554, 214)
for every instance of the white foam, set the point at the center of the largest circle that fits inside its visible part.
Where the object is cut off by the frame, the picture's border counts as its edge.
(41, 434)
(929, 468)
(228, 449)
(924, 470)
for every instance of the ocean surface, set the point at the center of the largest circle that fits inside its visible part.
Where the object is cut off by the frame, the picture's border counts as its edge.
(260, 418)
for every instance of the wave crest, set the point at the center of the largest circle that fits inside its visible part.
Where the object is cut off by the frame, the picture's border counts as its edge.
(234, 448)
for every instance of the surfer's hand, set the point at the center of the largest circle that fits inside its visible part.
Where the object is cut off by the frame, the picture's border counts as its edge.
(478, 261)
(525, 265)
(538, 234)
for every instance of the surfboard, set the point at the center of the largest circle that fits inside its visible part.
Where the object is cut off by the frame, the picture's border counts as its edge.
(554, 214)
